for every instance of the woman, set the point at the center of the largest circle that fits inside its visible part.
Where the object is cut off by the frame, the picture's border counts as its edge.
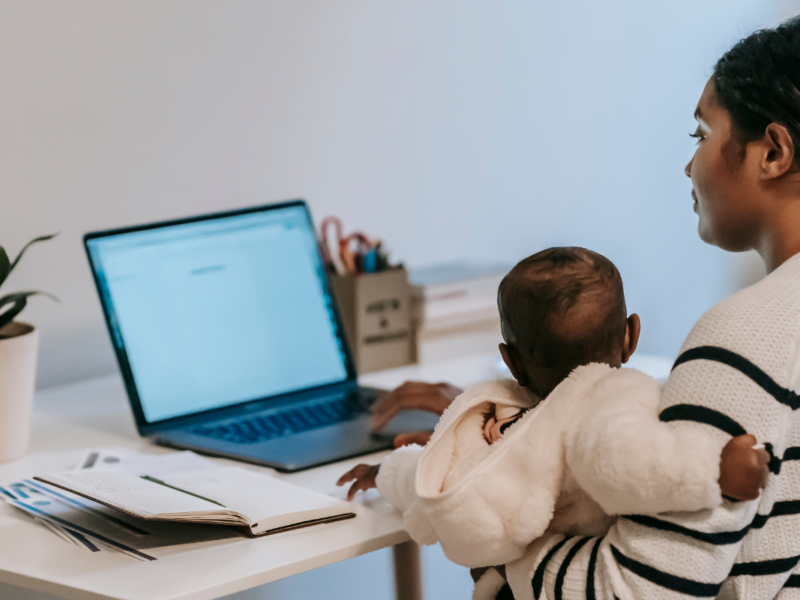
(738, 370)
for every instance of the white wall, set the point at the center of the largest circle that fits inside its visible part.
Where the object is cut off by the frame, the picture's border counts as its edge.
(449, 128)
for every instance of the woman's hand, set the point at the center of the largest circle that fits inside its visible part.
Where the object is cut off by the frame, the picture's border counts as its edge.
(420, 438)
(364, 476)
(412, 395)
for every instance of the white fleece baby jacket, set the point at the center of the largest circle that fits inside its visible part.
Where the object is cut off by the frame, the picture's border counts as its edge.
(592, 449)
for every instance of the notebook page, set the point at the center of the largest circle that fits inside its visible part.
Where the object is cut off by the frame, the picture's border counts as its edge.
(255, 496)
(130, 492)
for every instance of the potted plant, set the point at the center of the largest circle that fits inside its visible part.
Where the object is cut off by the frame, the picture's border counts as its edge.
(18, 345)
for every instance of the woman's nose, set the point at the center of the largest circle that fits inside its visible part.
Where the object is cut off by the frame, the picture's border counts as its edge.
(688, 168)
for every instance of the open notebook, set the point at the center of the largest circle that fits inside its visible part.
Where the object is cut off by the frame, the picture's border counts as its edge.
(220, 495)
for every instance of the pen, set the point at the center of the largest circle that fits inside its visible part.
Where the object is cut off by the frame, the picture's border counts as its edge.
(159, 482)
(370, 261)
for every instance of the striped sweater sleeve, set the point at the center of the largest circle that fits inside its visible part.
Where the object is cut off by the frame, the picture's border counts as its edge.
(729, 550)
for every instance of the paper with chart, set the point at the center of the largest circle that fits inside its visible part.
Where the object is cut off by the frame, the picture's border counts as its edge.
(94, 527)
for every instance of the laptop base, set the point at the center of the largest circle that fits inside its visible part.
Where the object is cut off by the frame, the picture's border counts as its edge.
(306, 449)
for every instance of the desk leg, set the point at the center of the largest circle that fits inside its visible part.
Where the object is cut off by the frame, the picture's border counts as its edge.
(407, 571)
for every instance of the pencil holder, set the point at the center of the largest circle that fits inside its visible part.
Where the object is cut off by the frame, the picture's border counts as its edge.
(376, 313)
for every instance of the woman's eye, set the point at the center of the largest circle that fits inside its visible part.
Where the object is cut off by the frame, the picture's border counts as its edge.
(698, 135)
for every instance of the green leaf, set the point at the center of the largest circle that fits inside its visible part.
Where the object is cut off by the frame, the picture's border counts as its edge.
(5, 265)
(17, 302)
(43, 238)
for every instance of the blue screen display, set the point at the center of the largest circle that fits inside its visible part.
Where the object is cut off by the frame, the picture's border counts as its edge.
(217, 312)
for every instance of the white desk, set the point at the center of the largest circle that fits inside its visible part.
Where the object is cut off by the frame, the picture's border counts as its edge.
(95, 413)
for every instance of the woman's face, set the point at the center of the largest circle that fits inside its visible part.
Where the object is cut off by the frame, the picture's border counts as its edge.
(723, 179)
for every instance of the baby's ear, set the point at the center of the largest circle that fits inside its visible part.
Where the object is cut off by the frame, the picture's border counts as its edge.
(511, 358)
(633, 328)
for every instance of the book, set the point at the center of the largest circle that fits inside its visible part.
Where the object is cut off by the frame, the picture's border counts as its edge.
(211, 494)
(456, 294)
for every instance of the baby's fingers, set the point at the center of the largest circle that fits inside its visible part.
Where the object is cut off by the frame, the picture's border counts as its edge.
(354, 473)
(349, 476)
(360, 484)
(763, 458)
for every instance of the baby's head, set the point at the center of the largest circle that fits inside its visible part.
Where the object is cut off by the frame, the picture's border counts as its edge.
(562, 308)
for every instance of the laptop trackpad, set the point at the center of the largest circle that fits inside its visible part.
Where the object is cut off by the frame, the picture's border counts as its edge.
(342, 440)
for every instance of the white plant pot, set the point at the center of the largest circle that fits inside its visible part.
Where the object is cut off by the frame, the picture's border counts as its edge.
(17, 383)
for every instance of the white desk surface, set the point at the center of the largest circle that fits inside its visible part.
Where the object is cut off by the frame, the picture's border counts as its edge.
(95, 413)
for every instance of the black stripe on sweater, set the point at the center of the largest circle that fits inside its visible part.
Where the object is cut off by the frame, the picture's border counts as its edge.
(562, 570)
(779, 509)
(666, 580)
(505, 593)
(702, 414)
(765, 567)
(792, 582)
(590, 574)
(790, 454)
(538, 577)
(744, 366)
(721, 538)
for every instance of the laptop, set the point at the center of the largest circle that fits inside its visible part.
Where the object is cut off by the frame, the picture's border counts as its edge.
(229, 339)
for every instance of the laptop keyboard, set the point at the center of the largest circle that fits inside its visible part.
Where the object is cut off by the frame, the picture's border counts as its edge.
(261, 428)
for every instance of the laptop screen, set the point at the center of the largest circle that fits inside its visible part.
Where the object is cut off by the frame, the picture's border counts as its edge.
(220, 311)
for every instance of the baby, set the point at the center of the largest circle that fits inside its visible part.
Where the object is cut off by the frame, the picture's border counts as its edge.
(504, 466)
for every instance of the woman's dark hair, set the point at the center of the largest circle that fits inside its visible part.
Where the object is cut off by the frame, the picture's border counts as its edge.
(758, 82)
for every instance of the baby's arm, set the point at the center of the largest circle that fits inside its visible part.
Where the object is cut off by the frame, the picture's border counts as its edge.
(629, 462)
(395, 480)
(394, 477)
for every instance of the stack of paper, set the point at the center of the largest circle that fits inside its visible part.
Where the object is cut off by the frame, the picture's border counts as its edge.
(456, 294)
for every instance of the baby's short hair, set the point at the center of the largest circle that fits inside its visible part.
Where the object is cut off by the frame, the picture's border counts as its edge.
(563, 306)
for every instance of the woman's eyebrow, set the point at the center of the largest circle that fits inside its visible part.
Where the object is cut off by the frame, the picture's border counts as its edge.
(698, 115)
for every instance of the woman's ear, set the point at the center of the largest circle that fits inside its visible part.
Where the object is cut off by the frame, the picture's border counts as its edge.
(780, 151)
(633, 328)
(511, 358)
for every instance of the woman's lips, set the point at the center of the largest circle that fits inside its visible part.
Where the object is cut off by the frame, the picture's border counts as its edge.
(694, 197)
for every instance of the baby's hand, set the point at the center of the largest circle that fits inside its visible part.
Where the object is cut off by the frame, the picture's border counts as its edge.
(743, 469)
(364, 476)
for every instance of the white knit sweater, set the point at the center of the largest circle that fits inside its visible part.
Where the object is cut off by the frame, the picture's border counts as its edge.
(738, 372)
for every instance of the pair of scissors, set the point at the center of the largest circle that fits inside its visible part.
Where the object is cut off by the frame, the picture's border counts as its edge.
(345, 259)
